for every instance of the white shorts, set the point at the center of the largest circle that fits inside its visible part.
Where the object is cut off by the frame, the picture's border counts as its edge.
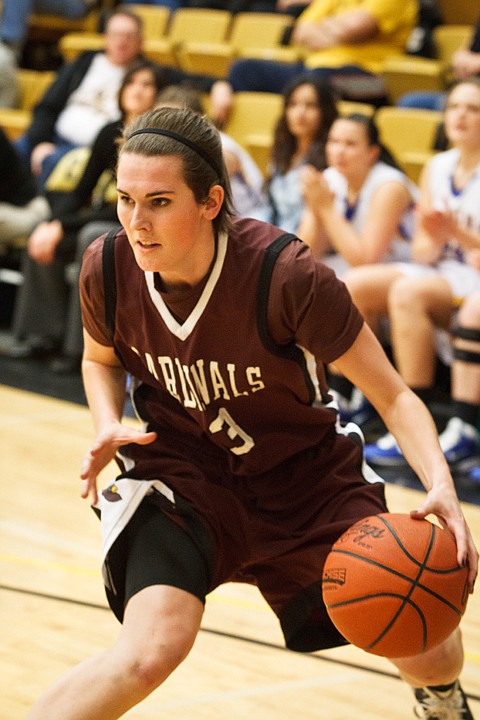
(463, 279)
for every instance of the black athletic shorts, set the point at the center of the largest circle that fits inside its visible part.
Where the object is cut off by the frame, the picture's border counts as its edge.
(273, 530)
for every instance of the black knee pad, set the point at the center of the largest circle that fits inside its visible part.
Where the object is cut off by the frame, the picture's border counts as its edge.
(471, 335)
(464, 333)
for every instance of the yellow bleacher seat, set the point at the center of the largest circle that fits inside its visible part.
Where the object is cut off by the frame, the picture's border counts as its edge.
(155, 19)
(459, 12)
(32, 85)
(252, 123)
(253, 113)
(414, 162)
(403, 74)
(256, 35)
(347, 107)
(408, 131)
(188, 25)
(258, 30)
(72, 45)
(407, 73)
(45, 22)
(449, 38)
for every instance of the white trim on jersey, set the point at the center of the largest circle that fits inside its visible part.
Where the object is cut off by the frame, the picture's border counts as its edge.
(183, 331)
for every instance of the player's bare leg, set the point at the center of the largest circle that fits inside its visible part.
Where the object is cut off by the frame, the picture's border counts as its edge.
(434, 677)
(439, 666)
(159, 629)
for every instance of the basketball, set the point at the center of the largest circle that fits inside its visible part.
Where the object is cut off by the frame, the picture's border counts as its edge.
(392, 586)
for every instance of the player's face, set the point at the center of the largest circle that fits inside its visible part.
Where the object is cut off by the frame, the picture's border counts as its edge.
(462, 116)
(168, 230)
(348, 150)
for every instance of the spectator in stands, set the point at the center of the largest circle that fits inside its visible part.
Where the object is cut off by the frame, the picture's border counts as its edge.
(465, 63)
(83, 98)
(345, 42)
(21, 208)
(420, 297)
(309, 109)
(47, 312)
(16, 16)
(360, 210)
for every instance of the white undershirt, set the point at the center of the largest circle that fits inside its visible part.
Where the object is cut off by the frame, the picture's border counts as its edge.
(93, 104)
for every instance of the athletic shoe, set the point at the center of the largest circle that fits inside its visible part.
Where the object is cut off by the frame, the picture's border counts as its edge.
(459, 442)
(442, 705)
(357, 410)
(384, 452)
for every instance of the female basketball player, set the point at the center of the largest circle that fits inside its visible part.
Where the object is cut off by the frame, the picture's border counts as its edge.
(241, 473)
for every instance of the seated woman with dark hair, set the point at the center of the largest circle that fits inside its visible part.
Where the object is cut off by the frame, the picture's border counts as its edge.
(309, 109)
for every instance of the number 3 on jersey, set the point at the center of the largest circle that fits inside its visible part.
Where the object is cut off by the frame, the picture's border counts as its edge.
(224, 419)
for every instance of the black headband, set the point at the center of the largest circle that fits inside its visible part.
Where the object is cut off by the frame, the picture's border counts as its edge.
(185, 141)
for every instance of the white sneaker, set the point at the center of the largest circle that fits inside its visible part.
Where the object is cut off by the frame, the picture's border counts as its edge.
(448, 705)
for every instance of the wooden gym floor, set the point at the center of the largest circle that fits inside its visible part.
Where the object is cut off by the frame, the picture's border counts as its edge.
(53, 611)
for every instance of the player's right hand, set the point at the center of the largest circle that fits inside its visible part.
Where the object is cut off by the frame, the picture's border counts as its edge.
(103, 451)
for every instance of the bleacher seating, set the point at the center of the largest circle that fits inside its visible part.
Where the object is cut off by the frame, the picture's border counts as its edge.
(187, 25)
(459, 12)
(32, 85)
(410, 134)
(250, 34)
(155, 19)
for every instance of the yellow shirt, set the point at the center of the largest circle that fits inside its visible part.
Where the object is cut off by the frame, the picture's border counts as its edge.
(395, 19)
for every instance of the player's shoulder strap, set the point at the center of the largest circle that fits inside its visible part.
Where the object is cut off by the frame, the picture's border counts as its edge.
(270, 258)
(109, 279)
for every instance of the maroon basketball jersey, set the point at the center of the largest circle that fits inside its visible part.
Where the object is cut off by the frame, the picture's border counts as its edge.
(221, 375)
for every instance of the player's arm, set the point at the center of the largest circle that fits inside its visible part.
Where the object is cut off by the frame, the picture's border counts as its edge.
(104, 380)
(367, 366)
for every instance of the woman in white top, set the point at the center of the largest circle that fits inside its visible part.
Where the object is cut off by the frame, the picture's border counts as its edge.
(360, 209)
(421, 297)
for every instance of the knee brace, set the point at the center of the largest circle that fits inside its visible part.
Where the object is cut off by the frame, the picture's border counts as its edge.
(472, 335)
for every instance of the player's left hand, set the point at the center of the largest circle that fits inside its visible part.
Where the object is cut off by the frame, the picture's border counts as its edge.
(443, 503)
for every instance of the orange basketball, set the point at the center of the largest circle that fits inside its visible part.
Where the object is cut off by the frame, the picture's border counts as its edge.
(392, 585)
